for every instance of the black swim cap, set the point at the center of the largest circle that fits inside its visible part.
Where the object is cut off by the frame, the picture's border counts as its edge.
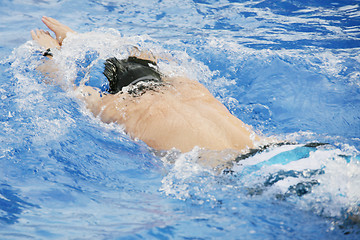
(129, 71)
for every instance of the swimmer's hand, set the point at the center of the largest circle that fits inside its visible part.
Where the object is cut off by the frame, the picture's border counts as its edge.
(58, 28)
(44, 39)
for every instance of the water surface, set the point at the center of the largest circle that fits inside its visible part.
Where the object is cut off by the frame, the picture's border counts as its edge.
(288, 68)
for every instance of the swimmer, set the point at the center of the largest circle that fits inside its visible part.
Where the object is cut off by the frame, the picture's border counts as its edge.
(164, 112)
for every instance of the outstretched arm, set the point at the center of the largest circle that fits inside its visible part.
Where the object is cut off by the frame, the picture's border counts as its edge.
(48, 68)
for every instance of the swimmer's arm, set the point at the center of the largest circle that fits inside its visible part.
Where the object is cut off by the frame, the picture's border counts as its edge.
(51, 74)
(92, 97)
(48, 70)
(105, 106)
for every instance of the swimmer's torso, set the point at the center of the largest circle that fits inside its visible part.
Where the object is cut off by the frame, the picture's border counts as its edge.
(181, 114)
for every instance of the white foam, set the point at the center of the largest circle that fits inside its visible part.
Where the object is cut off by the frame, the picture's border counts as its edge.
(335, 179)
(179, 182)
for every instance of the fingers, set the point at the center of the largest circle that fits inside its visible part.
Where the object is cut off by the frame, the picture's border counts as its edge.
(51, 20)
(36, 34)
(33, 35)
(57, 27)
(50, 23)
(44, 39)
(54, 26)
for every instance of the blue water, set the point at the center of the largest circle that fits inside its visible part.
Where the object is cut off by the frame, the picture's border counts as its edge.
(291, 69)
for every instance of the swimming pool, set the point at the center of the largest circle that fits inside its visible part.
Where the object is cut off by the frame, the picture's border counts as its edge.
(288, 68)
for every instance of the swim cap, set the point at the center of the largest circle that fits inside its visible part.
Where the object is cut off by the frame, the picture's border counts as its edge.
(121, 73)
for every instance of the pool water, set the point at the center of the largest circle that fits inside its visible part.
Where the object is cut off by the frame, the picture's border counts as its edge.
(291, 69)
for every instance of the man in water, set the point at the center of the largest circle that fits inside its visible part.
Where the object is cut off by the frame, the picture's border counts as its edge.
(164, 112)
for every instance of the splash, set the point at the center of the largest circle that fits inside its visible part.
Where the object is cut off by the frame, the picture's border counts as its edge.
(323, 180)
